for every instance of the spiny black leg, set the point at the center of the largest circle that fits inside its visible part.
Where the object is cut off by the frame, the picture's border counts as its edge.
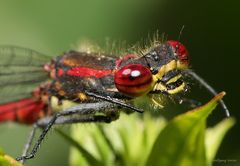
(109, 116)
(40, 139)
(77, 118)
(68, 119)
(114, 101)
(29, 142)
(209, 88)
(82, 109)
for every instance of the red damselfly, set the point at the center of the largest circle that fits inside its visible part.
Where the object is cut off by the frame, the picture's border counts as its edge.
(30, 81)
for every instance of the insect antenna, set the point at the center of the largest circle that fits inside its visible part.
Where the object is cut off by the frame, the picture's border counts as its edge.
(154, 71)
(180, 33)
(144, 56)
(209, 88)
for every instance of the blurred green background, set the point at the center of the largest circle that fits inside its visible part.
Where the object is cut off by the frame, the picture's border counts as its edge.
(211, 35)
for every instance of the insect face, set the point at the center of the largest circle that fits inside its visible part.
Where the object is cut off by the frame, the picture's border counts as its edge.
(166, 71)
(158, 71)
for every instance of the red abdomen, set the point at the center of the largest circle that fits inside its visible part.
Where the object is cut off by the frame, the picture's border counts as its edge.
(25, 111)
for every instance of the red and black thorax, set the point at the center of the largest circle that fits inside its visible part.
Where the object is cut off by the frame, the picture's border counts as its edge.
(75, 72)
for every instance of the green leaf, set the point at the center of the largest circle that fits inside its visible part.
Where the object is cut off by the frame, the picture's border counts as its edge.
(147, 140)
(127, 141)
(182, 141)
(6, 160)
(214, 137)
(92, 160)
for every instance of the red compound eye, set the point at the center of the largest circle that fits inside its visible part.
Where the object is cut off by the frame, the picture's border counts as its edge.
(180, 50)
(133, 80)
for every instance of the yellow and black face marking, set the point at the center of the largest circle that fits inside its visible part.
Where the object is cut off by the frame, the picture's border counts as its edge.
(169, 79)
(166, 71)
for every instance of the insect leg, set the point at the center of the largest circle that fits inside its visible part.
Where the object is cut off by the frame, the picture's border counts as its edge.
(82, 109)
(77, 119)
(29, 141)
(108, 117)
(114, 101)
(208, 87)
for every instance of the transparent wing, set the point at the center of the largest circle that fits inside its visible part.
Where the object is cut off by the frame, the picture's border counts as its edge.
(21, 70)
